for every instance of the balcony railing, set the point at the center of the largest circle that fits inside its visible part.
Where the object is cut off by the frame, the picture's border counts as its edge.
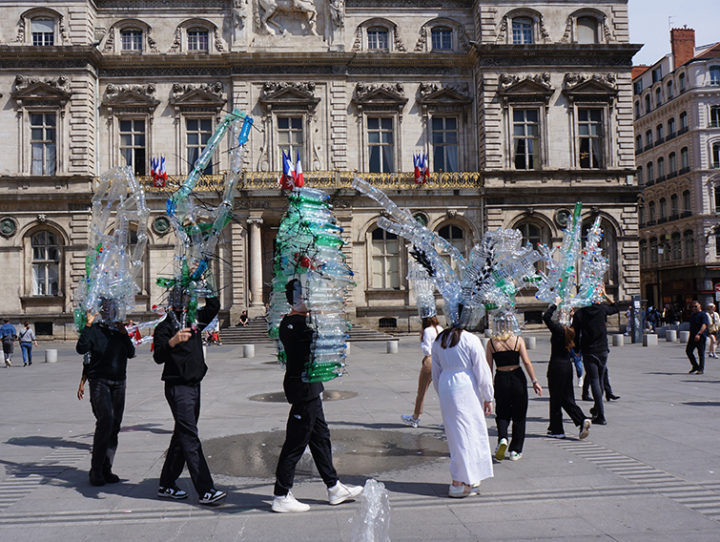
(647, 147)
(685, 214)
(659, 140)
(683, 130)
(684, 170)
(672, 174)
(660, 178)
(670, 136)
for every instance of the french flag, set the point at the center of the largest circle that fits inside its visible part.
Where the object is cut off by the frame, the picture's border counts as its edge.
(288, 176)
(422, 169)
(299, 179)
(158, 171)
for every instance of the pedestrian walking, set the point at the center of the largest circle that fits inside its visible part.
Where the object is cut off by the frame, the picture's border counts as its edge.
(306, 424)
(590, 325)
(713, 329)
(463, 382)
(507, 351)
(430, 330)
(27, 339)
(109, 347)
(7, 337)
(560, 378)
(699, 324)
(179, 350)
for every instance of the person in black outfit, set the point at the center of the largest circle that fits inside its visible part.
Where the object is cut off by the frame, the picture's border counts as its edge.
(180, 350)
(590, 328)
(109, 347)
(560, 379)
(699, 323)
(306, 422)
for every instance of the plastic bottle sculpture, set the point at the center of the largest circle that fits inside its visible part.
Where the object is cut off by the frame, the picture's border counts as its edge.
(308, 247)
(593, 266)
(112, 262)
(197, 227)
(424, 289)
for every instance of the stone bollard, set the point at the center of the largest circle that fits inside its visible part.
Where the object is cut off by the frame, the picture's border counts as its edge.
(671, 335)
(650, 339)
(530, 343)
(618, 339)
(248, 350)
(50, 355)
(684, 336)
(392, 347)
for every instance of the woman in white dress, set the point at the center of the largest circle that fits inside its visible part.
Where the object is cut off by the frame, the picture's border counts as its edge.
(430, 329)
(463, 382)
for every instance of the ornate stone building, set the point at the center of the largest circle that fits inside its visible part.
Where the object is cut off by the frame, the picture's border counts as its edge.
(523, 108)
(677, 143)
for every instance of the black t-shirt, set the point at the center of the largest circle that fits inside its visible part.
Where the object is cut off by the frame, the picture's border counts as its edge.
(558, 350)
(296, 337)
(697, 319)
(591, 328)
(109, 351)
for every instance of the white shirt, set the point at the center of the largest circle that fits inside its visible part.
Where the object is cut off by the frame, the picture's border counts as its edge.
(428, 338)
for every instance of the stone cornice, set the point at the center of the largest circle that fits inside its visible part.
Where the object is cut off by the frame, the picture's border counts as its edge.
(556, 54)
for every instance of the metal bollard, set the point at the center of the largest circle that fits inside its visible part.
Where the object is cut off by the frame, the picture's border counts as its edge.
(392, 347)
(248, 350)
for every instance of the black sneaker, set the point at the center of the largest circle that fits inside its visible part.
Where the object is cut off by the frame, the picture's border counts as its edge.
(110, 477)
(96, 478)
(172, 493)
(213, 496)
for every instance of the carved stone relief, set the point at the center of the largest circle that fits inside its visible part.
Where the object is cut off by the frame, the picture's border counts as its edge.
(302, 11)
(141, 96)
(51, 90)
(507, 80)
(572, 80)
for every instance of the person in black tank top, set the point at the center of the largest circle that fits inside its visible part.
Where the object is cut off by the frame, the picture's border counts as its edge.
(511, 396)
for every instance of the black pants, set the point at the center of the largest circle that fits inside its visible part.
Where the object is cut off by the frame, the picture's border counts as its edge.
(595, 370)
(605, 384)
(185, 447)
(511, 403)
(305, 426)
(562, 395)
(107, 398)
(700, 345)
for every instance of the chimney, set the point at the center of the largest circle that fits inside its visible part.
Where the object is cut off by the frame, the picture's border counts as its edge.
(683, 45)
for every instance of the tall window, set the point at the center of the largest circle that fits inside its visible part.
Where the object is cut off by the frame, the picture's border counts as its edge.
(653, 250)
(590, 137)
(651, 211)
(643, 252)
(671, 127)
(533, 233)
(674, 211)
(689, 243)
(683, 121)
(42, 143)
(640, 177)
(661, 168)
(648, 138)
(132, 144)
(717, 199)
(687, 204)
(684, 159)
(672, 164)
(638, 143)
(526, 133)
(715, 116)
(641, 215)
(198, 133)
(650, 172)
(290, 136)
(385, 260)
(676, 246)
(663, 208)
(715, 75)
(637, 109)
(658, 97)
(648, 105)
(657, 74)
(43, 31)
(587, 30)
(716, 155)
(131, 40)
(381, 144)
(670, 94)
(456, 237)
(441, 37)
(445, 143)
(45, 264)
(198, 40)
(377, 37)
(660, 130)
(522, 30)
(681, 81)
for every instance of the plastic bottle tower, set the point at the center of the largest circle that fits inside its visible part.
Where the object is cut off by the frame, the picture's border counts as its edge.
(198, 227)
(593, 266)
(308, 247)
(488, 278)
(112, 263)
(424, 289)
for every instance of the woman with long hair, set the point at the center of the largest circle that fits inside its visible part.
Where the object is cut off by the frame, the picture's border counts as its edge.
(463, 383)
(713, 329)
(560, 379)
(506, 350)
(429, 332)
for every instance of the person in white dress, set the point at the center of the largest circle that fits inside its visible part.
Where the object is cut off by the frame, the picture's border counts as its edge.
(463, 382)
(430, 331)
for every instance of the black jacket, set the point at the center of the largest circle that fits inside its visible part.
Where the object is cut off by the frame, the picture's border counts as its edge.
(184, 364)
(558, 352)
(109, 351)
(590, 324)
(296, 337)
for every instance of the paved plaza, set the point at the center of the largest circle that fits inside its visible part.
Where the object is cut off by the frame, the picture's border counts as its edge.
(651, 474)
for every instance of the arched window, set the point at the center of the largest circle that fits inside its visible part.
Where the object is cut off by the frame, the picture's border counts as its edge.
(663, 208)
(672, 164)
(587, 30)
(648, 138)
(534, 232)
(651, 212)
(714, 116)
(45, 263)
(689, 244)
(641, 215)
(648, 106)
(131, 40)
(456, 237)
(666, 251)
(670, 94)
(687, 204)
(377, 38)
(637, 109)
(684, 159)
(522, 30)
(640, 178)
(716, 155)
(441, 38)
(681, 82)
(43, 31)
(674, 209)
(658, 97)
(198, 39)
(676, 246)
(385, 260)
(650, 172)
(653, 250)
(608, 244)
(643, 252)
(661, 168)
(660, 131)
(638, 143)
(683, 122)
(671, 127)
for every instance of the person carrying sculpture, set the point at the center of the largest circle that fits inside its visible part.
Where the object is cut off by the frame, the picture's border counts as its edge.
(306, 424)
(109, 347)
(560, 378)
(179, 350)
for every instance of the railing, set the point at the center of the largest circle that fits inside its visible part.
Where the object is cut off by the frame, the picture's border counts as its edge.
(683, 130)
(670, 136)
(259, 180)
(659, 140)
(673, 217)
(662, 220)
(684, 170)
(648, 147)
(685, 214)
(660, 178)
(672, 174)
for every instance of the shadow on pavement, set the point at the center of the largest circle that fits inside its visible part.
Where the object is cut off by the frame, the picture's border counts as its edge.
(48, 442)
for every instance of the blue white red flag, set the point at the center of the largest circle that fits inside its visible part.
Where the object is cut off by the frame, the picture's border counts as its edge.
(299, 179)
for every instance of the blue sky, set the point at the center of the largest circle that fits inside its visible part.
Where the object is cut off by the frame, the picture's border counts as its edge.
(649, 24)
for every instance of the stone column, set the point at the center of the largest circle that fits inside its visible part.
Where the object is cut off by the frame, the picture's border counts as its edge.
(256, 283)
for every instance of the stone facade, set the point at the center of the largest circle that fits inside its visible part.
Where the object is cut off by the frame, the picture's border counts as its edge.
(677, 127)
(523, 108)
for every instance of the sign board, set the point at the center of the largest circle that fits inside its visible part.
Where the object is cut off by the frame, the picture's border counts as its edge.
(717, 287)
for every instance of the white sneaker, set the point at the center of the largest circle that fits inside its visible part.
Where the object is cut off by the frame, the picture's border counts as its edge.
(460, 492)
(585, 429)
(501, 449)
(514, 456)
(288, 503)
(410, 420)
(340, 493)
